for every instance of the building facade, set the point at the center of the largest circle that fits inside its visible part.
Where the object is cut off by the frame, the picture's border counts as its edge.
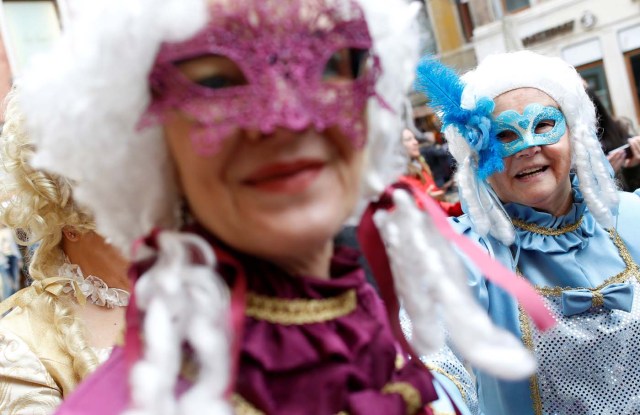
(601, 38)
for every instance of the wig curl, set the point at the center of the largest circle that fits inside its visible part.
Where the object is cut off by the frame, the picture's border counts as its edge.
(37, 206)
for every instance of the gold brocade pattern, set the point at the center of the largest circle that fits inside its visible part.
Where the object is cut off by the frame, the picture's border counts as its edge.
(409, 394)
(300, 311)
(449, 376)
(631, 269)
(542, 230)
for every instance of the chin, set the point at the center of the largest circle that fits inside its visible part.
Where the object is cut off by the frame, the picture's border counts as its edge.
(297, 232)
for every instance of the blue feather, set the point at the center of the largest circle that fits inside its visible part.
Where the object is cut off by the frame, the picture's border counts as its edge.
(444, 88)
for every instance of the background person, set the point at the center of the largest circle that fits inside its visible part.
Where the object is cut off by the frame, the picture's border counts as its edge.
(64, 324)
(419, 175)
(613, 134)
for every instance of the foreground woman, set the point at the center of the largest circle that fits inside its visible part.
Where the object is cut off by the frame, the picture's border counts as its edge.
(253, 129)
(541, 200)
(62, 326)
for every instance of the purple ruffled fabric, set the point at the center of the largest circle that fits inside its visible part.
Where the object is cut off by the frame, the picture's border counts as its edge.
(327, 367)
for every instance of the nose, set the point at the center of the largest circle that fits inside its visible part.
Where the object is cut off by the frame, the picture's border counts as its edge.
(278, 133)
(528, 152)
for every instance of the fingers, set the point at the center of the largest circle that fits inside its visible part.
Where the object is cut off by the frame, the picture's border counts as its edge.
(617, 160)
(634, 160)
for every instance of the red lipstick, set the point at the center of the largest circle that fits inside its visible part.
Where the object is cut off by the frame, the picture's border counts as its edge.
(285, 177)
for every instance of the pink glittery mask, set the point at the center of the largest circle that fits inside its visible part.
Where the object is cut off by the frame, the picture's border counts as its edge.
(300, 64)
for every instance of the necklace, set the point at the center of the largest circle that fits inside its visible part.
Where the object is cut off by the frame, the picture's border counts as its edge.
(92, 288)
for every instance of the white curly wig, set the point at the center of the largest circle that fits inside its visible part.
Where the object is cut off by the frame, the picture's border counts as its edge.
(504, 72)
(83, 103)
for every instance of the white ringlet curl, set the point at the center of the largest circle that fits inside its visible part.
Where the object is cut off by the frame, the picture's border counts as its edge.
(184, 302)
(432, 286)
(505, 72)
(393, 28)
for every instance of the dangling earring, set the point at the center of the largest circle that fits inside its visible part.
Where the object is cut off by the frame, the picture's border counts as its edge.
(185, 217)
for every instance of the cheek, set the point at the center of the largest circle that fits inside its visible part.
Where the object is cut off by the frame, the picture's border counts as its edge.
(562, 155)
(355, 171)
(500, 183)
(198, 175)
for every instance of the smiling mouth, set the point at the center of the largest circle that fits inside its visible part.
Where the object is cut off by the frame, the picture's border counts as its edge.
(528, 173)
(285, 177)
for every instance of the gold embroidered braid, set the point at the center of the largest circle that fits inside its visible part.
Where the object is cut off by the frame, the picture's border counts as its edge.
(527, 340)
(436, 412)
(243, 407)
(449, 376)
(542, 230)
(597, 300)
(300, 311)
(409, 394)
(630, 268)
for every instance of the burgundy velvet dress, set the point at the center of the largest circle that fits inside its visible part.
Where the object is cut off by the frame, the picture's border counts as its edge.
(309, 346)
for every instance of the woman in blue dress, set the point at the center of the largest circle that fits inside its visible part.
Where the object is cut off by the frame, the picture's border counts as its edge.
(539, 197)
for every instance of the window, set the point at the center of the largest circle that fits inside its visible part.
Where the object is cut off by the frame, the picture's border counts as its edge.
(29, 27)
(593, 73)
(632, 59)
(428, 43)
(466, 21)
(512, 6)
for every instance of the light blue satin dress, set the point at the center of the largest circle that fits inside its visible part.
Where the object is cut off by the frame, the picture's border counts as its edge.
(589, 364)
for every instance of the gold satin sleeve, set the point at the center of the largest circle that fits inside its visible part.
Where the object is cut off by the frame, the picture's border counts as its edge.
(26, 388)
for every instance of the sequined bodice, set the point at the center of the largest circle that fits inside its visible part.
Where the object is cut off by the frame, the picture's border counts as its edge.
(588, 364)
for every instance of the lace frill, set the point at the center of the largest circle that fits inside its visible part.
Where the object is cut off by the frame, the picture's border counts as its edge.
(92, 288)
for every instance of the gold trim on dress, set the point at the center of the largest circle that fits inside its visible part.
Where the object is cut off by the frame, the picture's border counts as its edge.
(242, 407)
(449, 376)
(439, 412)
(597, 300)
(525, 326)
(543, 230)
(300, 311)
(409, 394)
(527, 340)
(630, 267)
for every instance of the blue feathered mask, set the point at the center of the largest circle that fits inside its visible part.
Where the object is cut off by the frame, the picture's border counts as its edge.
(444, 89)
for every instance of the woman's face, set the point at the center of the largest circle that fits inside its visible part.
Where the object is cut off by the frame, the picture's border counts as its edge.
(274, 196)
(410, 143)
(279, 187)
(537, 176)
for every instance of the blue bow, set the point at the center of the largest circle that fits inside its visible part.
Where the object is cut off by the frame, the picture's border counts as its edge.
(612, 297)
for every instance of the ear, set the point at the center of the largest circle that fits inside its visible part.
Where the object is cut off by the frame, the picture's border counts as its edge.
(71, 233)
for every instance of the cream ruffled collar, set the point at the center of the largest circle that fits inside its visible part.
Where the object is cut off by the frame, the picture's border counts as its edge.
(92, 288)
